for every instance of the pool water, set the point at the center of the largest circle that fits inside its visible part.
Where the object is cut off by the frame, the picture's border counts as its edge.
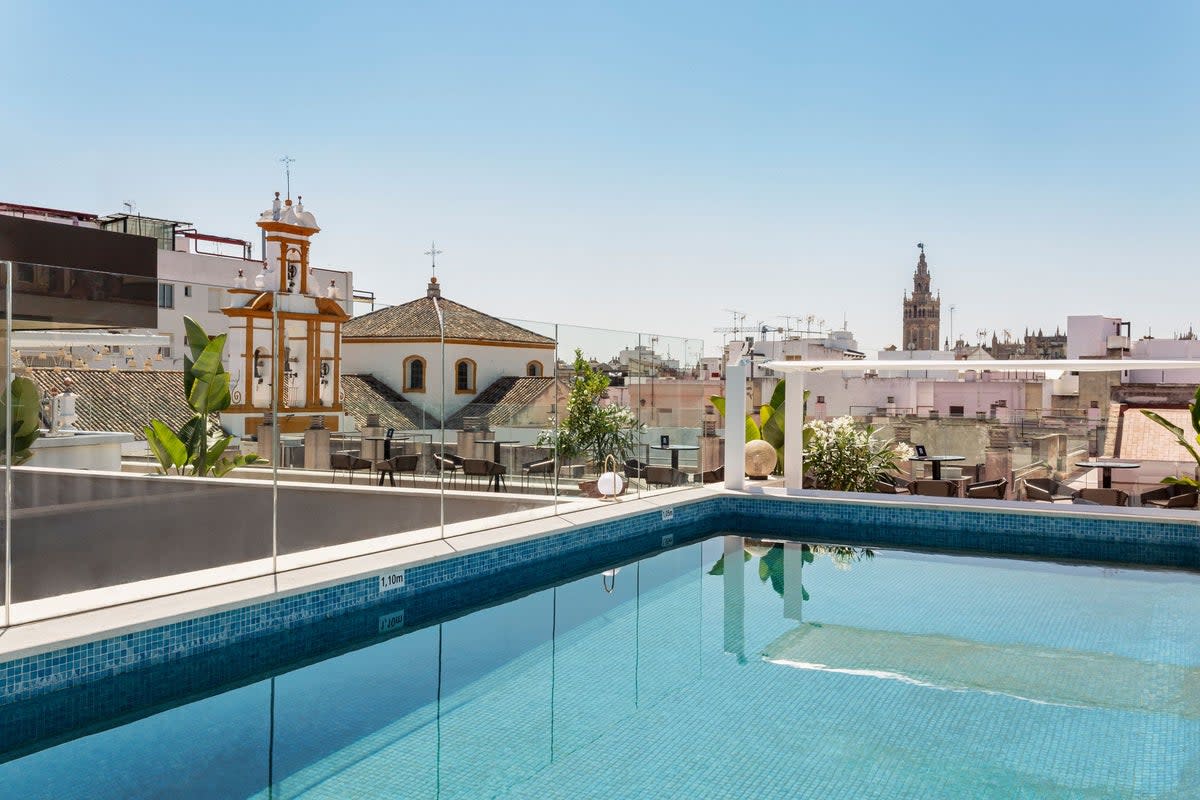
(732, 667)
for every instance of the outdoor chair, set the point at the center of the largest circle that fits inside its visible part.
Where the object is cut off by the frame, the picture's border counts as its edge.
(635, 468)
(1175, 495)
(890, 484)
(664, 476)
(988, 490)
(1079, 501)
(1047, 490)
(928, 487)
(542, 466)
(713, 475)
(1105, 497)
(479, 468)
(348, 462)
(397, 464)
(447, 463)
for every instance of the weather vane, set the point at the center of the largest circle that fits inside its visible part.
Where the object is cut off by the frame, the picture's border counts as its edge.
(287, 162)
(433, 253)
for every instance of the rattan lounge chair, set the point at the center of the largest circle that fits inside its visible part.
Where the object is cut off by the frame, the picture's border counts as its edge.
(995, 489)
(1047, 490)
(928, 487)
(1105, 497)
(1176, 495)
(664, 476)
(891, 484)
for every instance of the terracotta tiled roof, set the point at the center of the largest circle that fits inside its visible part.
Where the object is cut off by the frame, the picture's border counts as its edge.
(123, 401)
(418, 320)
(1144, 440)
(507, 398)
(366, 394)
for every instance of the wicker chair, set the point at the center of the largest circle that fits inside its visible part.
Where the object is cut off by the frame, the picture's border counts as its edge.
(664, 476)
(397, 464)
(1105, 497)
(478, 468)
(1176, 495)
(989, 490)
(542, 466)
(635, 468)
(348, 462)
(447, 463)
(929, 487)
(1047, 490)
(891, 484)
(713, 475)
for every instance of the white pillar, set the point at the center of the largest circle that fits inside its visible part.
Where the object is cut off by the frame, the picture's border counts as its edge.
(793, 433)
(735, 426)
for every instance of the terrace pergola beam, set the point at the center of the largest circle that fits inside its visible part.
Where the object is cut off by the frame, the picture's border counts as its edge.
(793, 439)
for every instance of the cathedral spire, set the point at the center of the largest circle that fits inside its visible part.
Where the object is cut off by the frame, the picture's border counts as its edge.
(922, 310)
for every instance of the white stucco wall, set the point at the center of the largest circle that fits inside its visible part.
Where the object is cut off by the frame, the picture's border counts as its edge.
(1162, 349)
(386, 362)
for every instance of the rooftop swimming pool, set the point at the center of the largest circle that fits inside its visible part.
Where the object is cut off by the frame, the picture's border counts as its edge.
(728, 667)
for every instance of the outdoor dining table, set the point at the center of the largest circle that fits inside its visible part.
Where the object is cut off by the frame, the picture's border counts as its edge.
(1106, 466)
(937, 463)
(675, 450)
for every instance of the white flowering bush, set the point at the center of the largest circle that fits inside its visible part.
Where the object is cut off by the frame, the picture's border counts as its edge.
(842, 456)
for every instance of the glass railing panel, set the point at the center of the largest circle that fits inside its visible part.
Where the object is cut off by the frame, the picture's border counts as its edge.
(167, 510)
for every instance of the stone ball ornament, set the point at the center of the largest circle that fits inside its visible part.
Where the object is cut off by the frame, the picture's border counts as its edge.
(761, 459)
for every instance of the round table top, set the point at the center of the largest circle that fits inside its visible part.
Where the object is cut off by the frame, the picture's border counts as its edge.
(675, 447)
(1109, 464)
(938, 458)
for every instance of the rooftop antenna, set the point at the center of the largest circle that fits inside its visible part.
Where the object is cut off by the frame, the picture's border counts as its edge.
(130, 207)
(287, 162)
(433, 253)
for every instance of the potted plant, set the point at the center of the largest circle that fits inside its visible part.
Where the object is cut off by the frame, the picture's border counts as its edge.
(20, 411)
(206, 388)
(1181, 437)
(842, 456)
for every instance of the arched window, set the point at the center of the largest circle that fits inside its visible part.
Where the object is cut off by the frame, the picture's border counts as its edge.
(534, 369)
(464, 376)
(414, 374)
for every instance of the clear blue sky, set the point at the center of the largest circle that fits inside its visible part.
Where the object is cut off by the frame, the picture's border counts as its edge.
(646, 166)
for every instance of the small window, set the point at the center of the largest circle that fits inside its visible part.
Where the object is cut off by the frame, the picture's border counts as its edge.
(820, 398)
(187, 291)
(534, 369)
(891, 399)
(414, 374)
(166, 295)
(957, 411)
(464, 376)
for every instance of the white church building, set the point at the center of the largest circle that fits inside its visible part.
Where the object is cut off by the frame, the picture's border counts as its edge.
(402, 346)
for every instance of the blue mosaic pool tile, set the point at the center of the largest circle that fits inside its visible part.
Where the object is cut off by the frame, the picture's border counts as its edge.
(1063, 536)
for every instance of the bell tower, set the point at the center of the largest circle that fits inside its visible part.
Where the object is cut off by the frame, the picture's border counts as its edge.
(285, 333)
(922, 310)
